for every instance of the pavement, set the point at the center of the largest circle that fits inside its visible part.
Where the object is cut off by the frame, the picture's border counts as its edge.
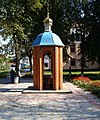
(14, 105)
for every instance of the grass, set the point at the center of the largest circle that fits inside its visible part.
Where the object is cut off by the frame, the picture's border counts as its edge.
(73, 73)
(94, 75)
(47, 72)
(65, 73)
(79, 72)
(92, 72)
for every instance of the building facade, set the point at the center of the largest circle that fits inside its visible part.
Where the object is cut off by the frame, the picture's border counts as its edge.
(74, 60)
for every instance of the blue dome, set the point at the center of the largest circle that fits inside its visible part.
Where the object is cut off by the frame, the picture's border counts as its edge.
(47, 39)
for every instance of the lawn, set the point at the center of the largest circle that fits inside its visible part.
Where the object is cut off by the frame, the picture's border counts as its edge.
(95, 75)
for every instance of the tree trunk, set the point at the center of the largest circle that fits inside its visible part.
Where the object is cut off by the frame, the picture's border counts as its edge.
(17, 77)
(82, 65)
(82, 50)
(30, 59)
(17, 65)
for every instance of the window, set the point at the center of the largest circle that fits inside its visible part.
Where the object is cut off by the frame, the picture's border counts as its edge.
(46, 61)
(46, 64)
(72, 48)
(72, 62)
(77, 37)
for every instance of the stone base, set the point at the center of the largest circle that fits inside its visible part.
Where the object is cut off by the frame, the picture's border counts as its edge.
(30, 90)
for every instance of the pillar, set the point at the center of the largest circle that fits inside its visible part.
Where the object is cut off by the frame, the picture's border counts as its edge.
(35, 67)
(56, 69)
(38, 74)
(60, 68)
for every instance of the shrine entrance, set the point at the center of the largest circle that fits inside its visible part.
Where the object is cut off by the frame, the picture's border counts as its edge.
(48, 70)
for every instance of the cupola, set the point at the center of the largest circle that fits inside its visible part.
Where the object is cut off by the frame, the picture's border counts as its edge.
(48, 38)
(48, 23)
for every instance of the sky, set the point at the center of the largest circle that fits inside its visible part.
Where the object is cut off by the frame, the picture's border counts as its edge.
(2, 42)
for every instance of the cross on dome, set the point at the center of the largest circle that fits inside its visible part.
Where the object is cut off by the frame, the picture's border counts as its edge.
(47, 21)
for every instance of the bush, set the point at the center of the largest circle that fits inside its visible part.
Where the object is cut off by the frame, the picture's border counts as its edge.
(82, 78)
(87, 84)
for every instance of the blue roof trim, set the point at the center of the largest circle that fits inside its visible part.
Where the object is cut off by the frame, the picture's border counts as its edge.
(37, 40)
(47, 38)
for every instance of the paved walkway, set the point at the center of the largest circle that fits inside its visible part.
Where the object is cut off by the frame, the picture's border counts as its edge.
(14, 105)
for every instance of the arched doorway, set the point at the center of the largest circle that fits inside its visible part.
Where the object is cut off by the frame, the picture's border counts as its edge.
(48, 71)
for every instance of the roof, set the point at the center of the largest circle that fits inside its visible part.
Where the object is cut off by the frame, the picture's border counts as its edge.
(47, 38)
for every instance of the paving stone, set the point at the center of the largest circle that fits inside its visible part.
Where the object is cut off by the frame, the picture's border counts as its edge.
(80, 105)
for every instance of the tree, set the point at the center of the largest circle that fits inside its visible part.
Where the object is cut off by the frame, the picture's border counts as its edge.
(92, 21)
(17, 22)
(23, 21)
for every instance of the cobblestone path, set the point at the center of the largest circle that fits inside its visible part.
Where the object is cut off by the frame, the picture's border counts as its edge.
(79, 105)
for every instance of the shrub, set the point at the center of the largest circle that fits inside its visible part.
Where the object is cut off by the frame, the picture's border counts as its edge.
(96, 84)
(82, 78)
(88, 84)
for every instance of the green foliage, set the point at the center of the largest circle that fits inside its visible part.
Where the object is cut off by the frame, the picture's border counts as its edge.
(17, 21)
(23, 21)
(92, 22)
(4, 63)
